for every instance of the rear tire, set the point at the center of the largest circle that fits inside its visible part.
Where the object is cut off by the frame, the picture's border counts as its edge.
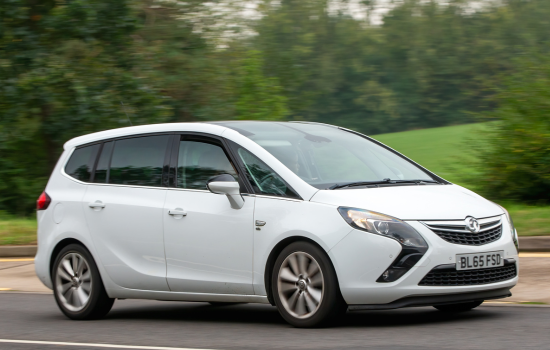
(462, 307)
(305, 287)
(78, 289)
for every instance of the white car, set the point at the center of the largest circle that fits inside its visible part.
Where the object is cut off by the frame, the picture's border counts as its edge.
(312, 218)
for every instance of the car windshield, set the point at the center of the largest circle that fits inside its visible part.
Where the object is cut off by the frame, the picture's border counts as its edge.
(326, 156)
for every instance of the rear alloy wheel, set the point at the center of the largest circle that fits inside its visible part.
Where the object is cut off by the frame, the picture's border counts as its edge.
(462, 307)
(305, 287)
(78, 288)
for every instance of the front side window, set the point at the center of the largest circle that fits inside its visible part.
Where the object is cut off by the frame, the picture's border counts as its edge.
(138, 161)
(262, 178)
(82, 162)
(200, 161)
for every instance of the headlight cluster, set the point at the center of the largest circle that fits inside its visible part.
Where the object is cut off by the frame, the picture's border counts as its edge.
(513, 230)
(413, 245)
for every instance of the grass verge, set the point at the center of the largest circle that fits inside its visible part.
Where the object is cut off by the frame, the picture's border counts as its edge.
(17, 231)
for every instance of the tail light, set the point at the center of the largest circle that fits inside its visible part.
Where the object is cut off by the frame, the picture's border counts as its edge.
(43, 201)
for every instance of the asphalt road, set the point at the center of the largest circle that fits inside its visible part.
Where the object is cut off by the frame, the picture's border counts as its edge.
(249, 326)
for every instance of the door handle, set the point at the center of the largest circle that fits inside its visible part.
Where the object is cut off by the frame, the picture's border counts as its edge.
(177, 211)
(96, 205)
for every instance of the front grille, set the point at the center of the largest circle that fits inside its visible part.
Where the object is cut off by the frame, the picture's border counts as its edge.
(469, 238)
(447, 275)
(455, 231)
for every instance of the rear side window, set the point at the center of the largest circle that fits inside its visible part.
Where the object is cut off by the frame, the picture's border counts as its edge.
(81, 163)
(138, 161)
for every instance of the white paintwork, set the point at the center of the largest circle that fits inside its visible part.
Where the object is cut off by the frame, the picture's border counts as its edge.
(428, 202)
(210, 249)
(128, 233)
(174, 244)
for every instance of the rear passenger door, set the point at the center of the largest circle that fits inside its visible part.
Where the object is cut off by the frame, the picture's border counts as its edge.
(124, 210)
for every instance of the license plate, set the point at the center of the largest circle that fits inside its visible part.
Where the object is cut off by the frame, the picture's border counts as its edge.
(479, 260)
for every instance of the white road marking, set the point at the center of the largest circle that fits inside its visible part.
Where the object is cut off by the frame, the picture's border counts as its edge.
(93, 345)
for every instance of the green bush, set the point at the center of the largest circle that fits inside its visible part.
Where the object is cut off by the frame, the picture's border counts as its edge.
(514, 161)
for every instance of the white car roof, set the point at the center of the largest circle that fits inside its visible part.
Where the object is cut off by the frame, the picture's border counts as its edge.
(143, 129)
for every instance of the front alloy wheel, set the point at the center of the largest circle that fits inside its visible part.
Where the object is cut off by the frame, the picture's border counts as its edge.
(300, 285)
(305, 287)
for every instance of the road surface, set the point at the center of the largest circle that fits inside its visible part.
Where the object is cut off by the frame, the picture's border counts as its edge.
(143, 324)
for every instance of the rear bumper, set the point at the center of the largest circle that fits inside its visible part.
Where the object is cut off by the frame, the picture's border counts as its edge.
(430, 300)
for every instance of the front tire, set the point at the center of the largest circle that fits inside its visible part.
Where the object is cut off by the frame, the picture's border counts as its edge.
(78, 289)
(462, 307)
(305, 287)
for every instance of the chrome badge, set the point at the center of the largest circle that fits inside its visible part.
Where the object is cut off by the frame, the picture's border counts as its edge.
(472, 224)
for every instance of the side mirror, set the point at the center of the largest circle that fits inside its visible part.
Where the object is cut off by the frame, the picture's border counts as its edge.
(226, 184)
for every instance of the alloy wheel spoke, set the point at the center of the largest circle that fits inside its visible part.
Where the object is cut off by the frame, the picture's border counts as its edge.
(316, 294)
(303, 263)
(74, 262)
(82, 296)
(68, 268)
(65, 287)
(301, 305)
(63, 274)
(288, 276)
(80, 267)
(87, 286)
(287, 287)
(86, 276)
(293, 263)
(293, 299)
(316, 281)
(311, 304)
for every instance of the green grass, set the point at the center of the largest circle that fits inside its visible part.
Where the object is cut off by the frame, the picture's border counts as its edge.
(17, 231)
(444, 151)
(441, 150)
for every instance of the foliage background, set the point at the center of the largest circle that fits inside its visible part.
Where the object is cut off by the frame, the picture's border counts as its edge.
(73, 67)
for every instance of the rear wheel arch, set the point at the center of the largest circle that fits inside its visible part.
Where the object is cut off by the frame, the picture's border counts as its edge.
(274, 254)
(59, 246)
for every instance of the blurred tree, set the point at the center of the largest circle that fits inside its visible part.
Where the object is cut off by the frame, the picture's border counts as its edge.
(203, 63)
(514, 157)
(65, 71)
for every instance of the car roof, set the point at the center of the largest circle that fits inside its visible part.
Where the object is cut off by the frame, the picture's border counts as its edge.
(214, 128)
(144, 129)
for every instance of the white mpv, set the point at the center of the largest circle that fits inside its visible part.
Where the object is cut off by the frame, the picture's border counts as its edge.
(312, 218)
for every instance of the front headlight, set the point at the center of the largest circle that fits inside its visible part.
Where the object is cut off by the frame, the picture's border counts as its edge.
(513, 231)
(383, 225)
(412, 243)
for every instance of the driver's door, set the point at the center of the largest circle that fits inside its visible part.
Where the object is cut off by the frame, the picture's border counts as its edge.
(208, 244)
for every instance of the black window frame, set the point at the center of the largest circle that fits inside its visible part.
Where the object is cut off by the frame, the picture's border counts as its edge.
(172, 174)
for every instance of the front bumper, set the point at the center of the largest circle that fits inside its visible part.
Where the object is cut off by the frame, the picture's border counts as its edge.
(360, 258)
(431, 300)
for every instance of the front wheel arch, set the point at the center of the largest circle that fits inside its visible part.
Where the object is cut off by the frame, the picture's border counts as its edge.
(274, 254)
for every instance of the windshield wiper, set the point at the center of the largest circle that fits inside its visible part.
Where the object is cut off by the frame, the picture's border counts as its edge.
(380, 182)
